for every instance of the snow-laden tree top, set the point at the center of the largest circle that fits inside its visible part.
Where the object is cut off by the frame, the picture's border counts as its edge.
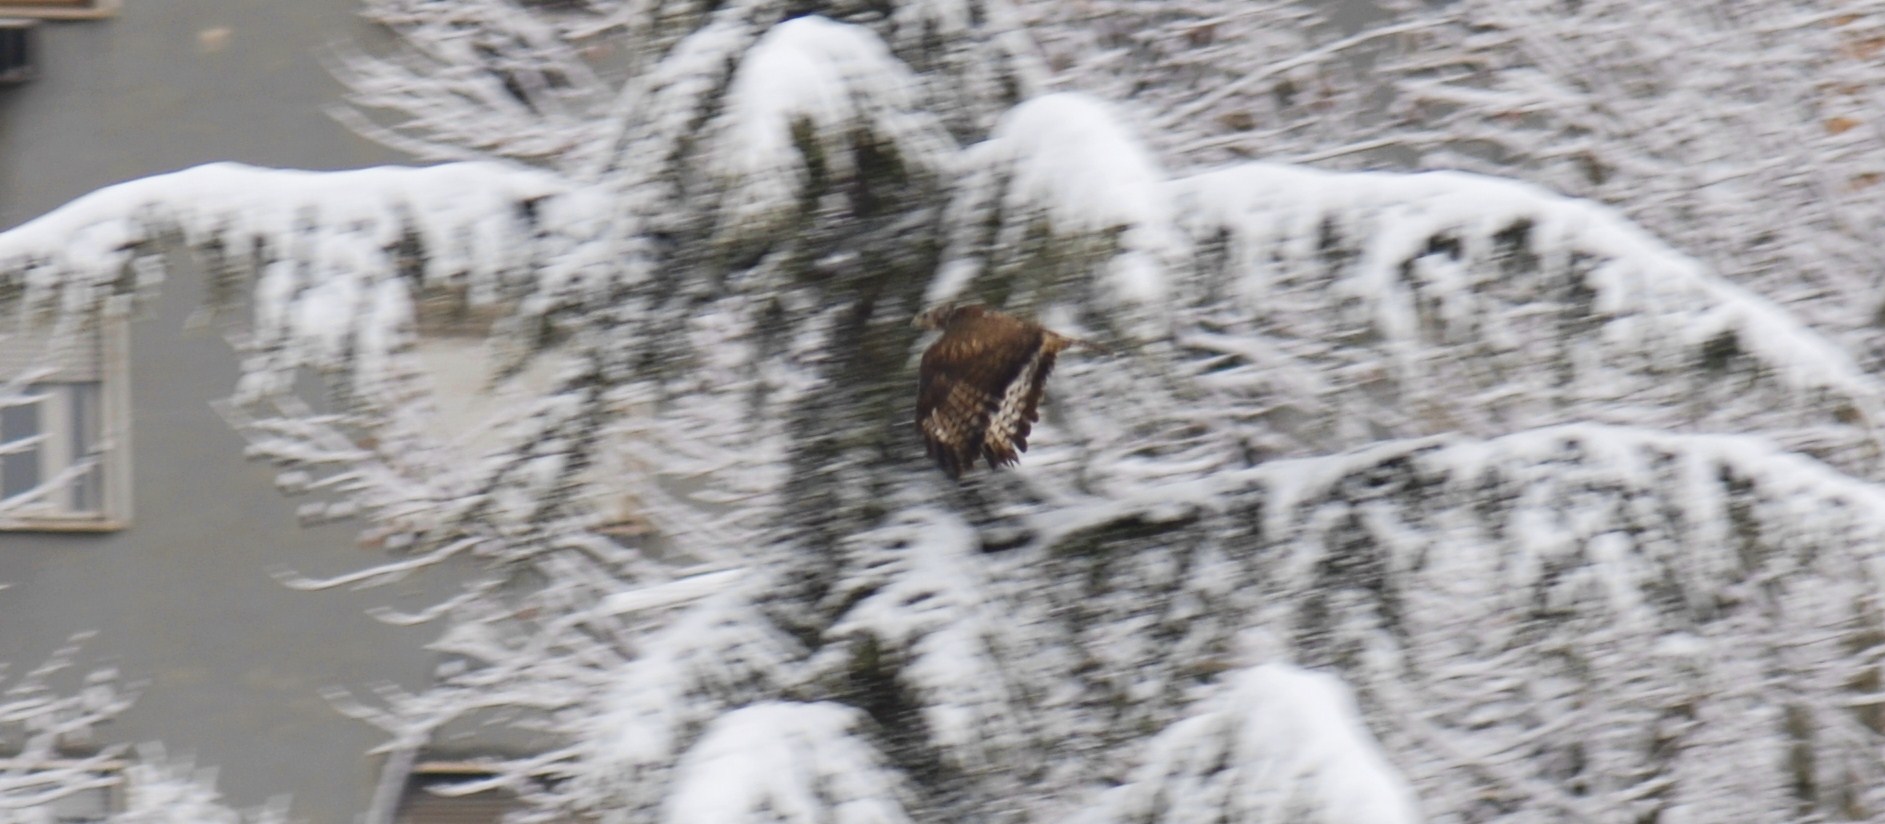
(1060, 205)
(812, 96)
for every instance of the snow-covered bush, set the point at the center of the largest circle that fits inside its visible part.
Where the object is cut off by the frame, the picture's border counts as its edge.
(160, 789)
(45, 733)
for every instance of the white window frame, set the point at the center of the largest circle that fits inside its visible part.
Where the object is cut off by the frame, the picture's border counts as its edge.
(114, 398)
(60, 9)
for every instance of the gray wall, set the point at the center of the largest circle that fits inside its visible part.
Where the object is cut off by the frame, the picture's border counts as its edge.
(233, 663)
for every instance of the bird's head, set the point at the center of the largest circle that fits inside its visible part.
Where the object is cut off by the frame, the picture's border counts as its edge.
(940, 316)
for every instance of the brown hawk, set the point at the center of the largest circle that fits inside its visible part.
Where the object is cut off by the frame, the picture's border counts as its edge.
(979, 389)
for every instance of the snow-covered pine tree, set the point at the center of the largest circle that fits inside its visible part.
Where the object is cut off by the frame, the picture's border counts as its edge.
(1588, 531)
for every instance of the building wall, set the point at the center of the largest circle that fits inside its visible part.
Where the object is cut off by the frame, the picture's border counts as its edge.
(233, 665)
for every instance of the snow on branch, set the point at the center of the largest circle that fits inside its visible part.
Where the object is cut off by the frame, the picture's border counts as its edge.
(924, 608)
(1059, 190)
(472, 219)
(1742, 133)
(812, 103)
(160, 789)
(721, 652)
(340, 255)
(1701, 475)
(1449, 301)
(1276, 744)
(38, 727)
(786, 763)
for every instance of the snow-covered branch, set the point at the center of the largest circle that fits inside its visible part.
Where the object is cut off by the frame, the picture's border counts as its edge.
(1062, 206)
(41, 725)
(1277, 744)
(787, 762)
(161, 789)
(1369, 302)
(1742, 133)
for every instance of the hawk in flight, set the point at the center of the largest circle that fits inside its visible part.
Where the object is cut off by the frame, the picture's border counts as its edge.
(980, 384)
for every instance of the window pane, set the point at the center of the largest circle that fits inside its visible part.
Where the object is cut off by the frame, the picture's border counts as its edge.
(87, 494)
(71, 418)
(19, 471)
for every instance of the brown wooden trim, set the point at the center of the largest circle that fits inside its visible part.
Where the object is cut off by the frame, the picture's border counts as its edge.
(54, 523)
(467, 769)
(60, 9)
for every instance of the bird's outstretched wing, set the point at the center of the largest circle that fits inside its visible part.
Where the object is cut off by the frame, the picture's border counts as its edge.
(979, 390)
(1020, 408)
